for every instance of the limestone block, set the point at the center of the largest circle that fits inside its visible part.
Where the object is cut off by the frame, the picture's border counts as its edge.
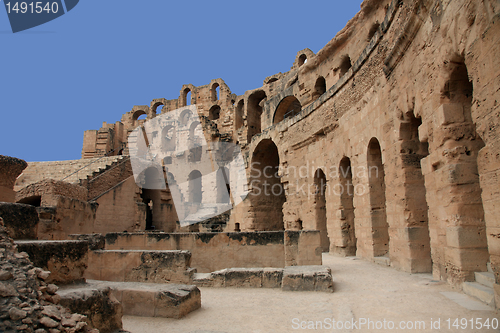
(449, 114)
(271, 277)
(307, 278)
(466, 237)
(243, 277)
(66, 260)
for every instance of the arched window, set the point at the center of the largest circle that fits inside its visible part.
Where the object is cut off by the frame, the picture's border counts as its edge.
(215, 92)
(302, 59)
(345, 65)
(319, 88)
(238, 119)
(214, 112)
(288, 107)
(186, 97)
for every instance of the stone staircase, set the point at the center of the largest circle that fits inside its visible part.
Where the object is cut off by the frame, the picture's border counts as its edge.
(71, 171)
(482, 288)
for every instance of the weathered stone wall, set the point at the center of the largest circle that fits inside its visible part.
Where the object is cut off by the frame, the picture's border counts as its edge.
(120, 209)
(66, 260)
(47, 192)
(215, 251)
(28, 302)
(68, 216)
(140, 266)
(21, 221)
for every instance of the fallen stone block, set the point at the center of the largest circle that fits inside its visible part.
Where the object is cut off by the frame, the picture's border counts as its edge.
(307, 278)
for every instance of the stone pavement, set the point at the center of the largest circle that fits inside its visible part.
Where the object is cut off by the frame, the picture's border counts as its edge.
(363, 292)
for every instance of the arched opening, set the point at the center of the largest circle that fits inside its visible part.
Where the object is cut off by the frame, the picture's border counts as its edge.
(214, 112)
(184, 117)
(215, 91)
(168, 138)
(267, 194)
(319, 88)
(158, 108)
(35, 200)
(378, 215)
(373, 30)
(186, 97)
(195, 187)
(349, 242)
(302, 59)
(320, 208)
(345, 65)
(254, 112)
(238, 119)
(139, 117)
(223, 188)
(288, 107)
(151, 196)
(195, 143)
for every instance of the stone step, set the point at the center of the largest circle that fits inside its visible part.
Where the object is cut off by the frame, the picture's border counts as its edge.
(58, 170)
(489, 267)
(384, 261)
(141, 299)
(485, 278)
(292, 278)
(480, 292)
(150, 266)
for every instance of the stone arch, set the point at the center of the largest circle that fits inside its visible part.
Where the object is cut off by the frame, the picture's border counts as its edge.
(254, 112)
(186, 97)
(302, 59)
(185, 116)
(320, 208)
(195, 188)
(214, 112)
(378, 214)
(348, 244)
(345, 65)
(267, 194)
(168, 137)
(215, 92)
(288, 107)
(151, 181)
(157, 105)
(238, 119)
(319, 87)
(137, 114)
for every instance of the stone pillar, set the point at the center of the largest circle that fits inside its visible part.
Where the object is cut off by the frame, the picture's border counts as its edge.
(456, 215)
(10, 169)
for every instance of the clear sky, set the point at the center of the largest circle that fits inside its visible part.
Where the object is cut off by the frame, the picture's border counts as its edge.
(103, 57)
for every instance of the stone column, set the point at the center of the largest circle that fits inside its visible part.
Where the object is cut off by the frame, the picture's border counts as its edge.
(10, 169)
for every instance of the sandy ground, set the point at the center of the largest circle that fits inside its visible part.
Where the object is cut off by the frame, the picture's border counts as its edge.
(365, 294)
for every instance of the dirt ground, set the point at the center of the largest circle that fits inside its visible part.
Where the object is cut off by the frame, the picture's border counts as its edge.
(367, 298)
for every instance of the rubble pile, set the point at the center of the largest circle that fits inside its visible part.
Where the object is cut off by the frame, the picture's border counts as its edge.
(27, 302)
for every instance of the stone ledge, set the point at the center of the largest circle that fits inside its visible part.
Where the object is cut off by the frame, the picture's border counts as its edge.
(142, 299)
(66, 260)
(293, 278)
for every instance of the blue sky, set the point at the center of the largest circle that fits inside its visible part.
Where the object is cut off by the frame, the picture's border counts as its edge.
(103, 57)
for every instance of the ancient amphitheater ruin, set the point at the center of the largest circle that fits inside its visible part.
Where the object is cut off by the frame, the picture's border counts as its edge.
(384, 145)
